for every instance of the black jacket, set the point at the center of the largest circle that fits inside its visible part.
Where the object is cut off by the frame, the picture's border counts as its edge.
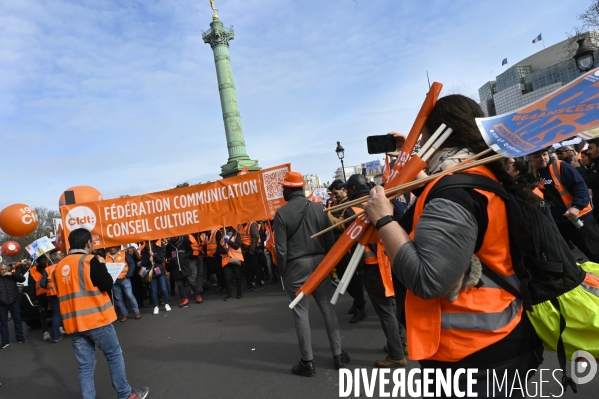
(178, 253)
(575, 185)
(159, 253)
(9, 292)
(591, 178)
(292, 232)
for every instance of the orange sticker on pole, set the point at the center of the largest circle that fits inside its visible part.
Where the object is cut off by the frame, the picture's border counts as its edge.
(186, 210)
(417, 127)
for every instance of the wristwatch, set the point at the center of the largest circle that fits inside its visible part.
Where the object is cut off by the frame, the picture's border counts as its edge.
(385, 220)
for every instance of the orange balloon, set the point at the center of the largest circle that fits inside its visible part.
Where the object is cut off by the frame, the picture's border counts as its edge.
(18, 220)
(82, 194)
(10, 248)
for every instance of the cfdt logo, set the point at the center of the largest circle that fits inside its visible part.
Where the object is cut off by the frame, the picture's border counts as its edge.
(81, 217)
(583, 367)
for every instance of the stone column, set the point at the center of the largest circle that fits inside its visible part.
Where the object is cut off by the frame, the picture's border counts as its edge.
(218, 37)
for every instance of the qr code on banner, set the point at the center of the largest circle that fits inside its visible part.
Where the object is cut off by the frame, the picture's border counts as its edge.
(272, 183)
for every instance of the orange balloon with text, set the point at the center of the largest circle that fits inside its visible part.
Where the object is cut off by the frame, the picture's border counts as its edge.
(18, 220)
(81, 194)
(11, 248)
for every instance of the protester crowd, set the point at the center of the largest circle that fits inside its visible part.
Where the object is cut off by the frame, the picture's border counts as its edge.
(424, 291)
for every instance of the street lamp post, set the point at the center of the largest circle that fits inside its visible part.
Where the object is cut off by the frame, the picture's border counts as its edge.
(584, 56)
(341, 153)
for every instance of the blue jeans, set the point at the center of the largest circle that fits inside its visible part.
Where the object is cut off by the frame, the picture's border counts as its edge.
(160, 280)
(123, 289)
(56, 319)
(15, 311)
(84, 344)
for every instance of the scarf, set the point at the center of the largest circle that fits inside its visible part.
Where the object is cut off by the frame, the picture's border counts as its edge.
(448, 157)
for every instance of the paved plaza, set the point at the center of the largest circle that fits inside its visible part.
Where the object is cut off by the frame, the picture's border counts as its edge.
(236, 349)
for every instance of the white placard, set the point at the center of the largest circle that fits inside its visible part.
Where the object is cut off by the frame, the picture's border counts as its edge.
(115, 269)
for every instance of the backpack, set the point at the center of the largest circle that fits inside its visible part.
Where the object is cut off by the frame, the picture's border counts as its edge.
(542, 259)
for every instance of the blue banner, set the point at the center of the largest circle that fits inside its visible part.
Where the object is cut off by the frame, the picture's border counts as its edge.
(571, 110)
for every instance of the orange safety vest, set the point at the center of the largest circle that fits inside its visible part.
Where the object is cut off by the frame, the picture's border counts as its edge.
(449, 331)
(374, 255)
(211, 245)
(121, 257)
(555, 169)
(195, 245)
(37, 276)
(51, 287)
(82, 305)
(232, 254)
(246, 234)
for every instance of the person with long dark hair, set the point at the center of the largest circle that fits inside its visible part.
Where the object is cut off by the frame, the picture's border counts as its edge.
(152, 257)
(232, 258)
(456, 317)
(136, 280)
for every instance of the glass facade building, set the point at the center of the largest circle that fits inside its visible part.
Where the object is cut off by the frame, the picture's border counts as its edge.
(532, 78)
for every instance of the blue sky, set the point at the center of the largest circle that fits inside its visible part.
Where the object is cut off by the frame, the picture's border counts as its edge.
(122, 95)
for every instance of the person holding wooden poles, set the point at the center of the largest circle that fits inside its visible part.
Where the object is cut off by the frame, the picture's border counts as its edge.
(456, 316)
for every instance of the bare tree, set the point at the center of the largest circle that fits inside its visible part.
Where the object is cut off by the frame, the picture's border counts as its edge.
(590, 17)
(589, 23)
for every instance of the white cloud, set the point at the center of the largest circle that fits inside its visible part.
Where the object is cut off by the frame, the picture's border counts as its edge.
(123, 95)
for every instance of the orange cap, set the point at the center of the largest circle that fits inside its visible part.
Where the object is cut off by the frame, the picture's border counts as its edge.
(293, 179)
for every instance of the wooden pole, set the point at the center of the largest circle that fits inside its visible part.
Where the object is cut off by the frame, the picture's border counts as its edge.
(399, 190)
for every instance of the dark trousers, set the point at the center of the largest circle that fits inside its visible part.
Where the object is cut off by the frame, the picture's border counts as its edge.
(171, 286)
(255, 266)
(181, 286)
(355, 288)
(137, 287)
(385, 309)
(44, 312)
(251, 269)
(228, 272)
(586, 239)
(56, 318)
(15, 310)
(400, 302)
(262, 264)
(274, 270)
(215, 267)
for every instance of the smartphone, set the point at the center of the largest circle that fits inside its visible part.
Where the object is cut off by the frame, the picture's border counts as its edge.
(381, 144)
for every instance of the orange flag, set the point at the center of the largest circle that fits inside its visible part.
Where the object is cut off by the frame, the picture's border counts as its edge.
(387, 170)
(362, 224)
(270, 241)
(59, 239)
(244, 171)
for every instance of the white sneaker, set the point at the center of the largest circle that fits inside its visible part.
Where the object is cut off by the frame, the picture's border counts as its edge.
(62, 331)
(156, 310)
(167, 307)
(47, 336)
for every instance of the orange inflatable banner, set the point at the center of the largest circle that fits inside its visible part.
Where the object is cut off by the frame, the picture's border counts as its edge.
(227, 202)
